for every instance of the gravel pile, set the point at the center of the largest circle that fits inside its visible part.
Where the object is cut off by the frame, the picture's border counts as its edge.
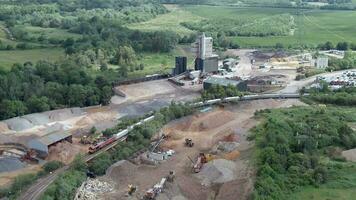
(91, 188)
(121, 171)
(217, 171)
(37, 118)
(18, 124)
(227, 146)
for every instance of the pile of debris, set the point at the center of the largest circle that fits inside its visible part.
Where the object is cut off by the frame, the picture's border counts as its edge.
(217, 171)
(91, 188)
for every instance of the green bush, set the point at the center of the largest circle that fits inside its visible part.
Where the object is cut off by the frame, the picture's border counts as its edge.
(52, 166)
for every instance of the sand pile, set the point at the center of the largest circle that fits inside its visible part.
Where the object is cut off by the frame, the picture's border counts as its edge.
(64, 152)
(217, 171)
(350, 155)
(95, 117)
(121, 171)
(3, 127)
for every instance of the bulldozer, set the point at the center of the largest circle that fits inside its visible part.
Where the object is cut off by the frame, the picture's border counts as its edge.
(189, 142)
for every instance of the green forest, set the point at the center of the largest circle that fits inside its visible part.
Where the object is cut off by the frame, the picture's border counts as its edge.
(297, 149)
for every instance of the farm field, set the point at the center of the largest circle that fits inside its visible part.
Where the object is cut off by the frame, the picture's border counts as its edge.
(170, 21)
(313, 26)
(8, 58)
(161, 62)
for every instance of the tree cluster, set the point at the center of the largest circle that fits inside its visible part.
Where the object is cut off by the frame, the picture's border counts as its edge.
(342, 46)
(290, 144)
(44, 86)
(220, 92)
(343, 97)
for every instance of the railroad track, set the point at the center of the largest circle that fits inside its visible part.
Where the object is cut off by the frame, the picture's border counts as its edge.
(35, 191)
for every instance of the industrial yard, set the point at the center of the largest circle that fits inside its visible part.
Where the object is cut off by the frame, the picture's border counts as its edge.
(212, 168)
(219, 133)
(136, 99)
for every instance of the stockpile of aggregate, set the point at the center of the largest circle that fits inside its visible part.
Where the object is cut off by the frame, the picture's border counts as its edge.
(91, 188)
(217, 171)
(18, 124)
(37, 118)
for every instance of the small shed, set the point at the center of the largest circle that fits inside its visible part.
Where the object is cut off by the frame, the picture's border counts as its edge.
(42, 144)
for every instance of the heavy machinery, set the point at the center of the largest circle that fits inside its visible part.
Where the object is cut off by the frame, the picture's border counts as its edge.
(189, 142)
(201, 160)
(100, 145)
(152, 193)
(131, 189)
(171, 176)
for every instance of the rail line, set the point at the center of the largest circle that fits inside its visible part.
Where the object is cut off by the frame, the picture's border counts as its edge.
(35, 191)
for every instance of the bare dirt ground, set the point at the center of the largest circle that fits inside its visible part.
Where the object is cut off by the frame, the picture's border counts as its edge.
(230, 123)
(65, 151)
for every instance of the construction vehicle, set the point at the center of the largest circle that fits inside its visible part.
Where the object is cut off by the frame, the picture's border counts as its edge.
(189, 142)
(152, 193)
(171, 176)
(201, 160)
(131, 189)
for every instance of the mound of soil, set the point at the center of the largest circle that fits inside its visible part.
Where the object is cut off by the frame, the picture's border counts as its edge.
(64, 152)
(121, 171)
(217, 171)
(3, 127)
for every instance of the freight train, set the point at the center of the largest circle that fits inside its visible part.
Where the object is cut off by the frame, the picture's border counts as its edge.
(119, 136)
(122, 134)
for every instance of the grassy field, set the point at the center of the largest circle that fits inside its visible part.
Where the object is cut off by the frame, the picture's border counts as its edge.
(343, 187)
(8, 58)
(36, 31)
(169, 21)
(161, 62)
(313, 26)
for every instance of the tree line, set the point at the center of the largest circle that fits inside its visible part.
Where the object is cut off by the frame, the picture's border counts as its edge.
(45, 85)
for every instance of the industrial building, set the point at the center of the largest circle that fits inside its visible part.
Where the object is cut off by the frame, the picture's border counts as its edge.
(41, 145)
(181, 65)
(322, 62)
(210, 81)
(205, 60)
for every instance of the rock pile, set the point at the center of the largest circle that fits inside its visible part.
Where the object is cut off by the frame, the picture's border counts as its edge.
(227, 146)
(91, 188)
(217, 171)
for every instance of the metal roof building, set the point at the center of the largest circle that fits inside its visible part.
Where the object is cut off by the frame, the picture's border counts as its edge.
(41, 145)
(241, 85)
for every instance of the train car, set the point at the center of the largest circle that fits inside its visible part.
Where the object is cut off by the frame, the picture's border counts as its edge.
(149, 119)
(249, 97)
(213, 101)
(121, 134)
(228, 99)
(100, 145)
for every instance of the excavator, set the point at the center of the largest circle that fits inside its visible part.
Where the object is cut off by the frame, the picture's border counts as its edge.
(201, 160)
